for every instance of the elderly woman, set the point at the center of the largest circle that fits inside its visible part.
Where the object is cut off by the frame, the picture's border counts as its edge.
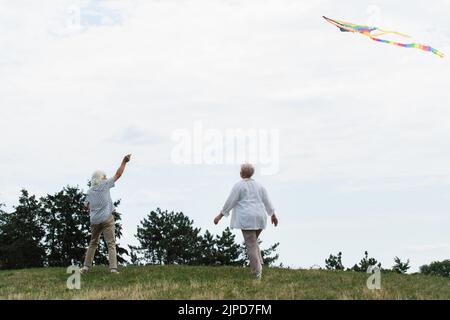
(251, 205)
(99, 203)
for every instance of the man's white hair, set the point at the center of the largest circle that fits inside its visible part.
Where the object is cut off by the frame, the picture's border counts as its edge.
(97, 178)
(247, 170)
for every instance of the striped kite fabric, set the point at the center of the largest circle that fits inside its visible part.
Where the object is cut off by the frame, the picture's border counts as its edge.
(368, 32)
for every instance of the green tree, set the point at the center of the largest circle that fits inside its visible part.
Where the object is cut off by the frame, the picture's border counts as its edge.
(227, 251)
(208, 249)
(365, 263)
(400, 266)
(66, 231)
(437, 268)
(168, 238)
(21, 234)
(269, 255)
(334, 262)
(135, 256)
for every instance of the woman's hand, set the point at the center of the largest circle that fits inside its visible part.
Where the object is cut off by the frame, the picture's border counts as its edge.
(218, 218)
(274, 220)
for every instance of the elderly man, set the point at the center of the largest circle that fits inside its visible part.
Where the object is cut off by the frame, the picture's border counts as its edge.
(251, 205)
(99, 203)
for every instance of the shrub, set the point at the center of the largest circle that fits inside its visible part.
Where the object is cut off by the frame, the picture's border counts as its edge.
(437, 268)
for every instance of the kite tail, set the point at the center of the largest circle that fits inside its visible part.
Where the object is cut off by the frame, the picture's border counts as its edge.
(383, 32)
(411, 45)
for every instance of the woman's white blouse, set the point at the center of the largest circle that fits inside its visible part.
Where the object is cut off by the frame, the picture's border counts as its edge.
(250, 204)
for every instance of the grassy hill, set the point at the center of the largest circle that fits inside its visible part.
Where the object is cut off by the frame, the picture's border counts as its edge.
(186, 282)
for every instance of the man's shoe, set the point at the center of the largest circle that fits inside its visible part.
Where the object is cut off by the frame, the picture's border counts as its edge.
(84, 270)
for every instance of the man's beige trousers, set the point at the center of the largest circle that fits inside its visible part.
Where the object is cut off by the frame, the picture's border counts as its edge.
(253, 250)
(108, 229)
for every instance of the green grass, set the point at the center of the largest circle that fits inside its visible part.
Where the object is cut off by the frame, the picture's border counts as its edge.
(186, 282)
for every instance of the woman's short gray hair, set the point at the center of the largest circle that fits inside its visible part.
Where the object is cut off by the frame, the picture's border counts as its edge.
(247, 170)
(97, 178)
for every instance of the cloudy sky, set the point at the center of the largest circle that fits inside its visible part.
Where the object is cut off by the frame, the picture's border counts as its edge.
(363, 158)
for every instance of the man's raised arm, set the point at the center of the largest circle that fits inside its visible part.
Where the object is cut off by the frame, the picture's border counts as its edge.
(119, 171)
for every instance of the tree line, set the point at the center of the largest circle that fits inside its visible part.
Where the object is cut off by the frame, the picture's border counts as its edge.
(53, 231)
(436, 268)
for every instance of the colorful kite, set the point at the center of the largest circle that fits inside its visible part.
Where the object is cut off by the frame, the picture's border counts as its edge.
(367, 31)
